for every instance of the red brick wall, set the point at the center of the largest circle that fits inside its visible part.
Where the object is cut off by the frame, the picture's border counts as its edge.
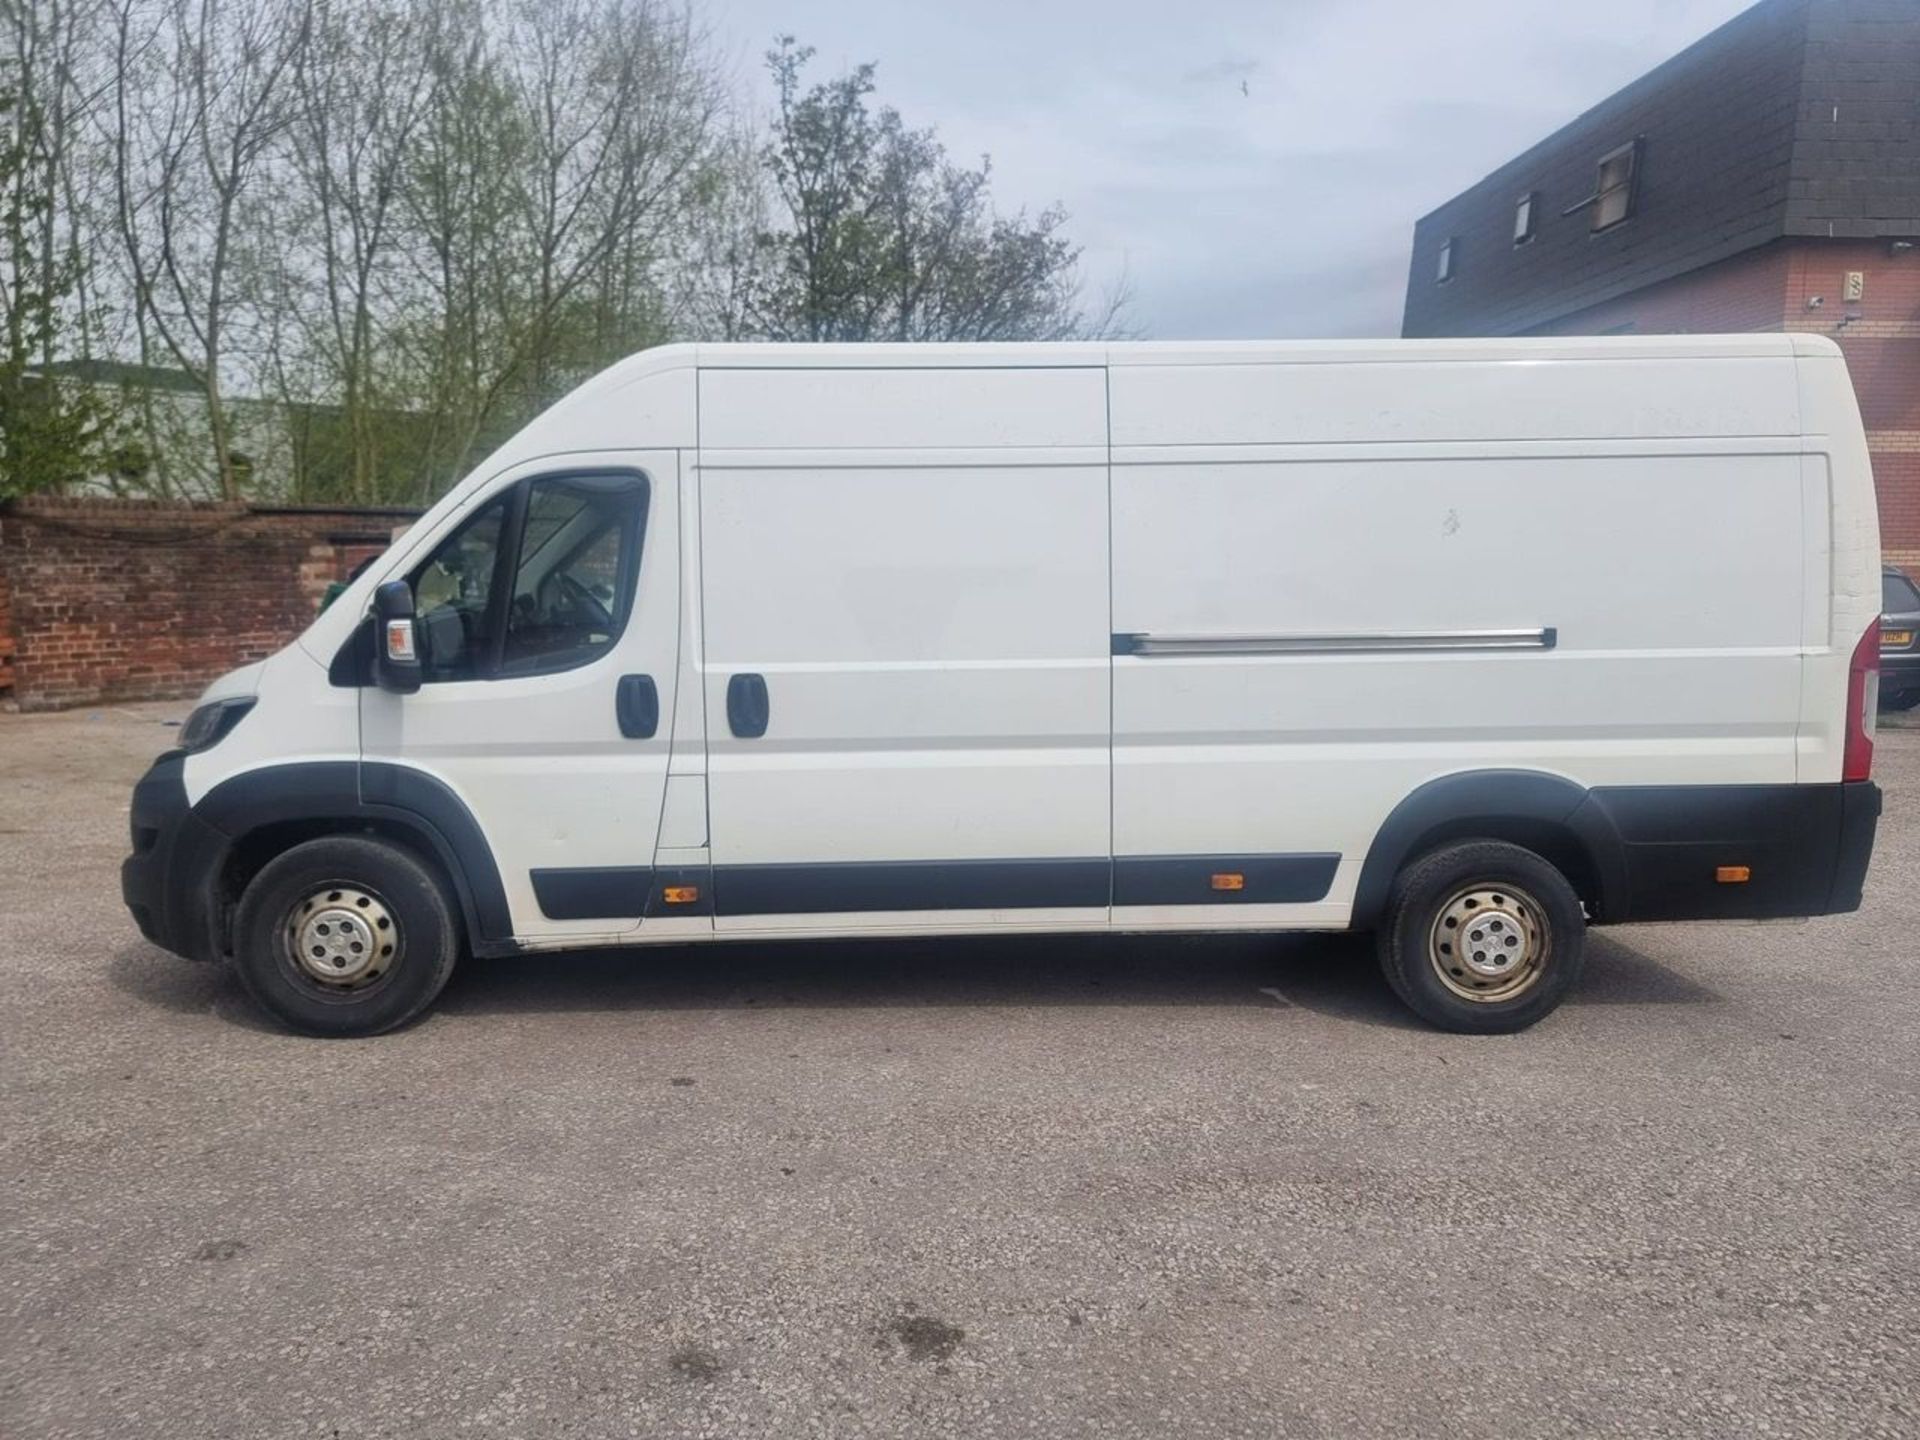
(1770, 289)
(1880, 335)
(1896, 478)
(1747, 292)
(6, 635)
(131, 600)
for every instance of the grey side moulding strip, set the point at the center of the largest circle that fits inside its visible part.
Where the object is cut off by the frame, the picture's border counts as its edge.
(1385, 642)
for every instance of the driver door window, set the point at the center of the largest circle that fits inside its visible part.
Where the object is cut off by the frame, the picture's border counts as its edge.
(450, 595)
(573, 543)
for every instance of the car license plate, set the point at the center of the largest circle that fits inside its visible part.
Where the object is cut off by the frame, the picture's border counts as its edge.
(1895, 639)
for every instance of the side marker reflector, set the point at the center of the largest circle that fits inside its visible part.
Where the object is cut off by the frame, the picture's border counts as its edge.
(680, 894)
(1733, 874)
(1229, 880)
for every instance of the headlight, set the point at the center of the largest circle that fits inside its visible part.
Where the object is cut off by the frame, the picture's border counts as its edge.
(209, 723)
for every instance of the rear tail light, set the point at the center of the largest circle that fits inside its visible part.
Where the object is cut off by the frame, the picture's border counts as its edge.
(1863, 705)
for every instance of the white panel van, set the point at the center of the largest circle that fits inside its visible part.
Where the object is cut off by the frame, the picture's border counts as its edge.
(1468, 643)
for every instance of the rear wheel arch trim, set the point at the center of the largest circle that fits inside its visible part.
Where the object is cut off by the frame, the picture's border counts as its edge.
(1494, 798)
(353, 793)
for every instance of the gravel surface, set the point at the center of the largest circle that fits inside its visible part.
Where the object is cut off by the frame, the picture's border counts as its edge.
(1045, 1187)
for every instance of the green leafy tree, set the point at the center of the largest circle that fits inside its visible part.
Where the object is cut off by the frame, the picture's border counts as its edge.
(337, 249)
(885, 238)
(50, 432)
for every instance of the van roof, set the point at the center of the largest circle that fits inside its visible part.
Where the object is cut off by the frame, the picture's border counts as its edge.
(865, 356)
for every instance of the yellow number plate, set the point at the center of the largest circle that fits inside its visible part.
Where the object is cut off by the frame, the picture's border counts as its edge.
(1895, 639)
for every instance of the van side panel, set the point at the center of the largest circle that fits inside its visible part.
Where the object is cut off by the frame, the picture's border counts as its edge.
(1645, 594)
(930, 624)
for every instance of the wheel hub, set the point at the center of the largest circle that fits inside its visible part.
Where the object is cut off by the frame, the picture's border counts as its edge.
(342, 937)
(1488, 943)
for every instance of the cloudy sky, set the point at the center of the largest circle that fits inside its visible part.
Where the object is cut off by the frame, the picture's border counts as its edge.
(1254, 166)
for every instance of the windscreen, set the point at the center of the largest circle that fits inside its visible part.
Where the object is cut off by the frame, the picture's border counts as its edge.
(1898, 596)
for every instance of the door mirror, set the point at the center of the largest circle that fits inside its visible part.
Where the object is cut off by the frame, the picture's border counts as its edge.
(396, 639)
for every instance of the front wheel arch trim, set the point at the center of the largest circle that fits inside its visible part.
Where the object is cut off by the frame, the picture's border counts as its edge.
(350, 794)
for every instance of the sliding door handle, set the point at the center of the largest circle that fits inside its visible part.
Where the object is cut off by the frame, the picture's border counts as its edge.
(747, 706)
(637, 704)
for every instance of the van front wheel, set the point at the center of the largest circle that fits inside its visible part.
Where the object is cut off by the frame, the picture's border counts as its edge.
(346, 935)
(1482, 937)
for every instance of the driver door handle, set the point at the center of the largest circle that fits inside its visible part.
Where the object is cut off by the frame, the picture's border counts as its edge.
(637, 704)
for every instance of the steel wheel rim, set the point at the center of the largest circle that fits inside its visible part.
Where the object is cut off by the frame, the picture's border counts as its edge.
(1489, 943)
(342, 938)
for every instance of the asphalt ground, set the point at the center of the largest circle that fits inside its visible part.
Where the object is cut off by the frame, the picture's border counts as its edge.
(1055, 1187)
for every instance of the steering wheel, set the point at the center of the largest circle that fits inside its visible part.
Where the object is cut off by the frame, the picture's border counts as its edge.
(579, 607)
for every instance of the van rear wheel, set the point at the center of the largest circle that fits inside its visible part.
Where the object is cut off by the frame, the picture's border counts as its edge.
(1482, 937)
(347, 935)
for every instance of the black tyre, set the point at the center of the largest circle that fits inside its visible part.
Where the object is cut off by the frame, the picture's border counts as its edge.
(345, 936)
(1482, 937)
(1899, 699)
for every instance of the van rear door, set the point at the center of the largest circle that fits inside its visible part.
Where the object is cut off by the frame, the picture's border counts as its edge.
(906, 646)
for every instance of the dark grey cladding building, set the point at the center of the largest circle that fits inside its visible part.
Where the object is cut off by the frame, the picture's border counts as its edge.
(1798, 118)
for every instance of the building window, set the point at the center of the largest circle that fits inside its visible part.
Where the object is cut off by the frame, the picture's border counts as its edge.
(1443, 268)
(1523, 212)
(1613, 192)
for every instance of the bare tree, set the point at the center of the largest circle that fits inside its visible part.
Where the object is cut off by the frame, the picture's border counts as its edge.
(202, 96)
(52, 430)
(362, 88)
(720, 252)
(552, 164)
(414, 223)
